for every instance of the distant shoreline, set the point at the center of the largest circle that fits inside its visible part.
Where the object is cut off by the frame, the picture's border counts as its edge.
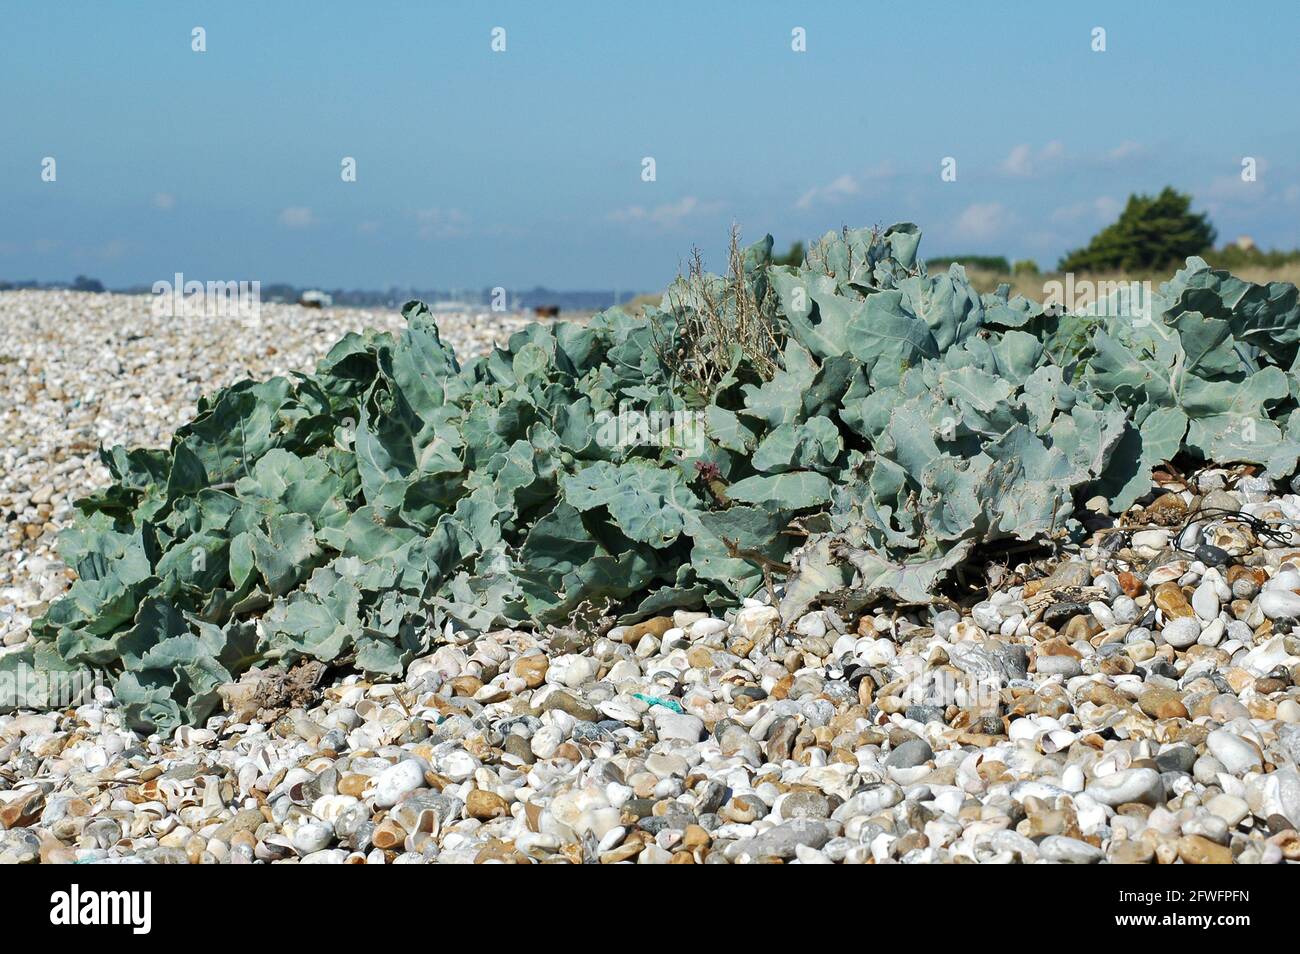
(393, 298)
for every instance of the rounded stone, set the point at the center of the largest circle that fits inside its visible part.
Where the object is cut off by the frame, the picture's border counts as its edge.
(1279, 604)
(911, 753)
(485, 805)
(1235, 754)
(1198, 850)
(1129, 785)
(1161, 703)
(1182, 632)
(678, 725)
(1071, 851)
(392, 783)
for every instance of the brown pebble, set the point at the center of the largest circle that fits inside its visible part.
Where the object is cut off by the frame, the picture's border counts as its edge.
(1172, 601)
(1117, 664)
(656, 626)
(499, 851)
(624, 852)
(465, 685)
(569, 752)
(531, 669)
(1131, 852)
(1196, 850)
(1161, 703)
(485, 805)
(353, 784)
(388, 834)
(700, 657)
(694, 837)
(1130, 584)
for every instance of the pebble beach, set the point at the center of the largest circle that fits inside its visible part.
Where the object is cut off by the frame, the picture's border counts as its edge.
(1132, 698)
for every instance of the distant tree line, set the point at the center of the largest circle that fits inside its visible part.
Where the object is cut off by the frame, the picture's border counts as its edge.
(1153, 233)
(987, 263)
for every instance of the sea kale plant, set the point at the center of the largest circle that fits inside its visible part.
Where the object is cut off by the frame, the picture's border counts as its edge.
(871, 429)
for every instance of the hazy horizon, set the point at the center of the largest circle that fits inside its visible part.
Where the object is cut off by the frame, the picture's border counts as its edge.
(226, 164)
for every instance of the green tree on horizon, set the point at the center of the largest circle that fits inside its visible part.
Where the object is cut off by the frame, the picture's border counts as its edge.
(1151, 233)
(793, 257)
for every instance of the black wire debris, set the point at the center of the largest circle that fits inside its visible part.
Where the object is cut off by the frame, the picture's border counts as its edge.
(1262, 529)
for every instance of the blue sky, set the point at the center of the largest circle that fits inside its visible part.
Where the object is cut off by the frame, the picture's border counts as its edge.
(477, 168)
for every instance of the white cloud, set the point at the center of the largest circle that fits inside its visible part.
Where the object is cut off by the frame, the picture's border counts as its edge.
(296, 217)
(441, 223)
(835, 191)
(844, 187)
(1128, 149)
(981, 221)
(667, 215)
(1236, 189)
(164, 201)
(1022, 160)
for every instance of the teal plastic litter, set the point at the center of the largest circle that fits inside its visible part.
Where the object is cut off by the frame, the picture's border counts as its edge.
(657, 701)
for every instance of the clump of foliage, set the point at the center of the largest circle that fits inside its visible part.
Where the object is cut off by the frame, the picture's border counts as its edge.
(794, 256)
(83, 284)
(1235, 256)
(876, 425)
(718, 318)
(1152, 232)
